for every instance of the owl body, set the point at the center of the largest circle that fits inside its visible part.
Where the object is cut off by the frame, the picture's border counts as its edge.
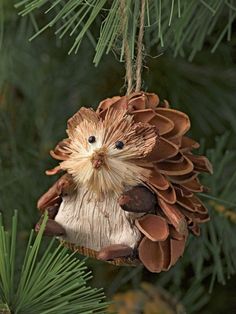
(96, 224)
(130, 182)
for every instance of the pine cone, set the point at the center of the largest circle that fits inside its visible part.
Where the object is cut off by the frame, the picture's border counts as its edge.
(164, 160)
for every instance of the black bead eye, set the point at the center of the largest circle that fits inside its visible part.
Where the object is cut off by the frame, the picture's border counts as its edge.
(119, 145)
(92, 139)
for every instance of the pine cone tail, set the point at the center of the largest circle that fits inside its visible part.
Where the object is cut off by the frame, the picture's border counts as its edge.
(173, 178)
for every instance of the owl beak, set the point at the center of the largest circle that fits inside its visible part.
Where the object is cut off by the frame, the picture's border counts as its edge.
(97, 163)
(98, 159)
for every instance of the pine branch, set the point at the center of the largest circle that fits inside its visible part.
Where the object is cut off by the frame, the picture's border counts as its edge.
(217, 245)
(52, 283)
(195, 298)
(183, 26)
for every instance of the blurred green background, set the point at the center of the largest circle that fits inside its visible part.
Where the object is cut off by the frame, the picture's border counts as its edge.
(41, 86)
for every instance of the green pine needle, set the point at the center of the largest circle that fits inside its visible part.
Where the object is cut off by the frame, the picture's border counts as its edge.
(217, 199)
(182, 26)
(51, 283)
(217, 243)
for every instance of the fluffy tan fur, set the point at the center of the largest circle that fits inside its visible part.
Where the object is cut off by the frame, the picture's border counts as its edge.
(95, 224)
(119, 167)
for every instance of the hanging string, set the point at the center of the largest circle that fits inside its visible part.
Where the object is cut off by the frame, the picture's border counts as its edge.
(128, 58)
(129, 66)
(139, 59)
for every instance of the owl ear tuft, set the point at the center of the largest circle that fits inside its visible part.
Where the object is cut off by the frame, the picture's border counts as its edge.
(83, 114)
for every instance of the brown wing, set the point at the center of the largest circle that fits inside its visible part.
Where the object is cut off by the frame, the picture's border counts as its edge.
(62, 152)
(53, 197)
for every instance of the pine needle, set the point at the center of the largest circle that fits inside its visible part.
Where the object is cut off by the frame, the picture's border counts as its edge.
(56, 281)
(183, 27)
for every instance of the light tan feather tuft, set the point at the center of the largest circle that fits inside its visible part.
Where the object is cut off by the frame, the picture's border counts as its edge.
(120, 167)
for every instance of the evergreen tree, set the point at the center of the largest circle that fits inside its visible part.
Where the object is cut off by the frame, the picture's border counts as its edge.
(188, 57)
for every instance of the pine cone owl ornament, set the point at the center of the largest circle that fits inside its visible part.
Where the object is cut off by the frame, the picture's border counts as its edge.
(128, 192)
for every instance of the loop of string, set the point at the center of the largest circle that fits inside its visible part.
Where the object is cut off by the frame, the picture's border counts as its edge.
(130, 78)
(139, 59)
(127, 52)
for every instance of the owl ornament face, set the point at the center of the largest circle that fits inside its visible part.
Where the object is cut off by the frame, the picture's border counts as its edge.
(128, 192)
(105, 155)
